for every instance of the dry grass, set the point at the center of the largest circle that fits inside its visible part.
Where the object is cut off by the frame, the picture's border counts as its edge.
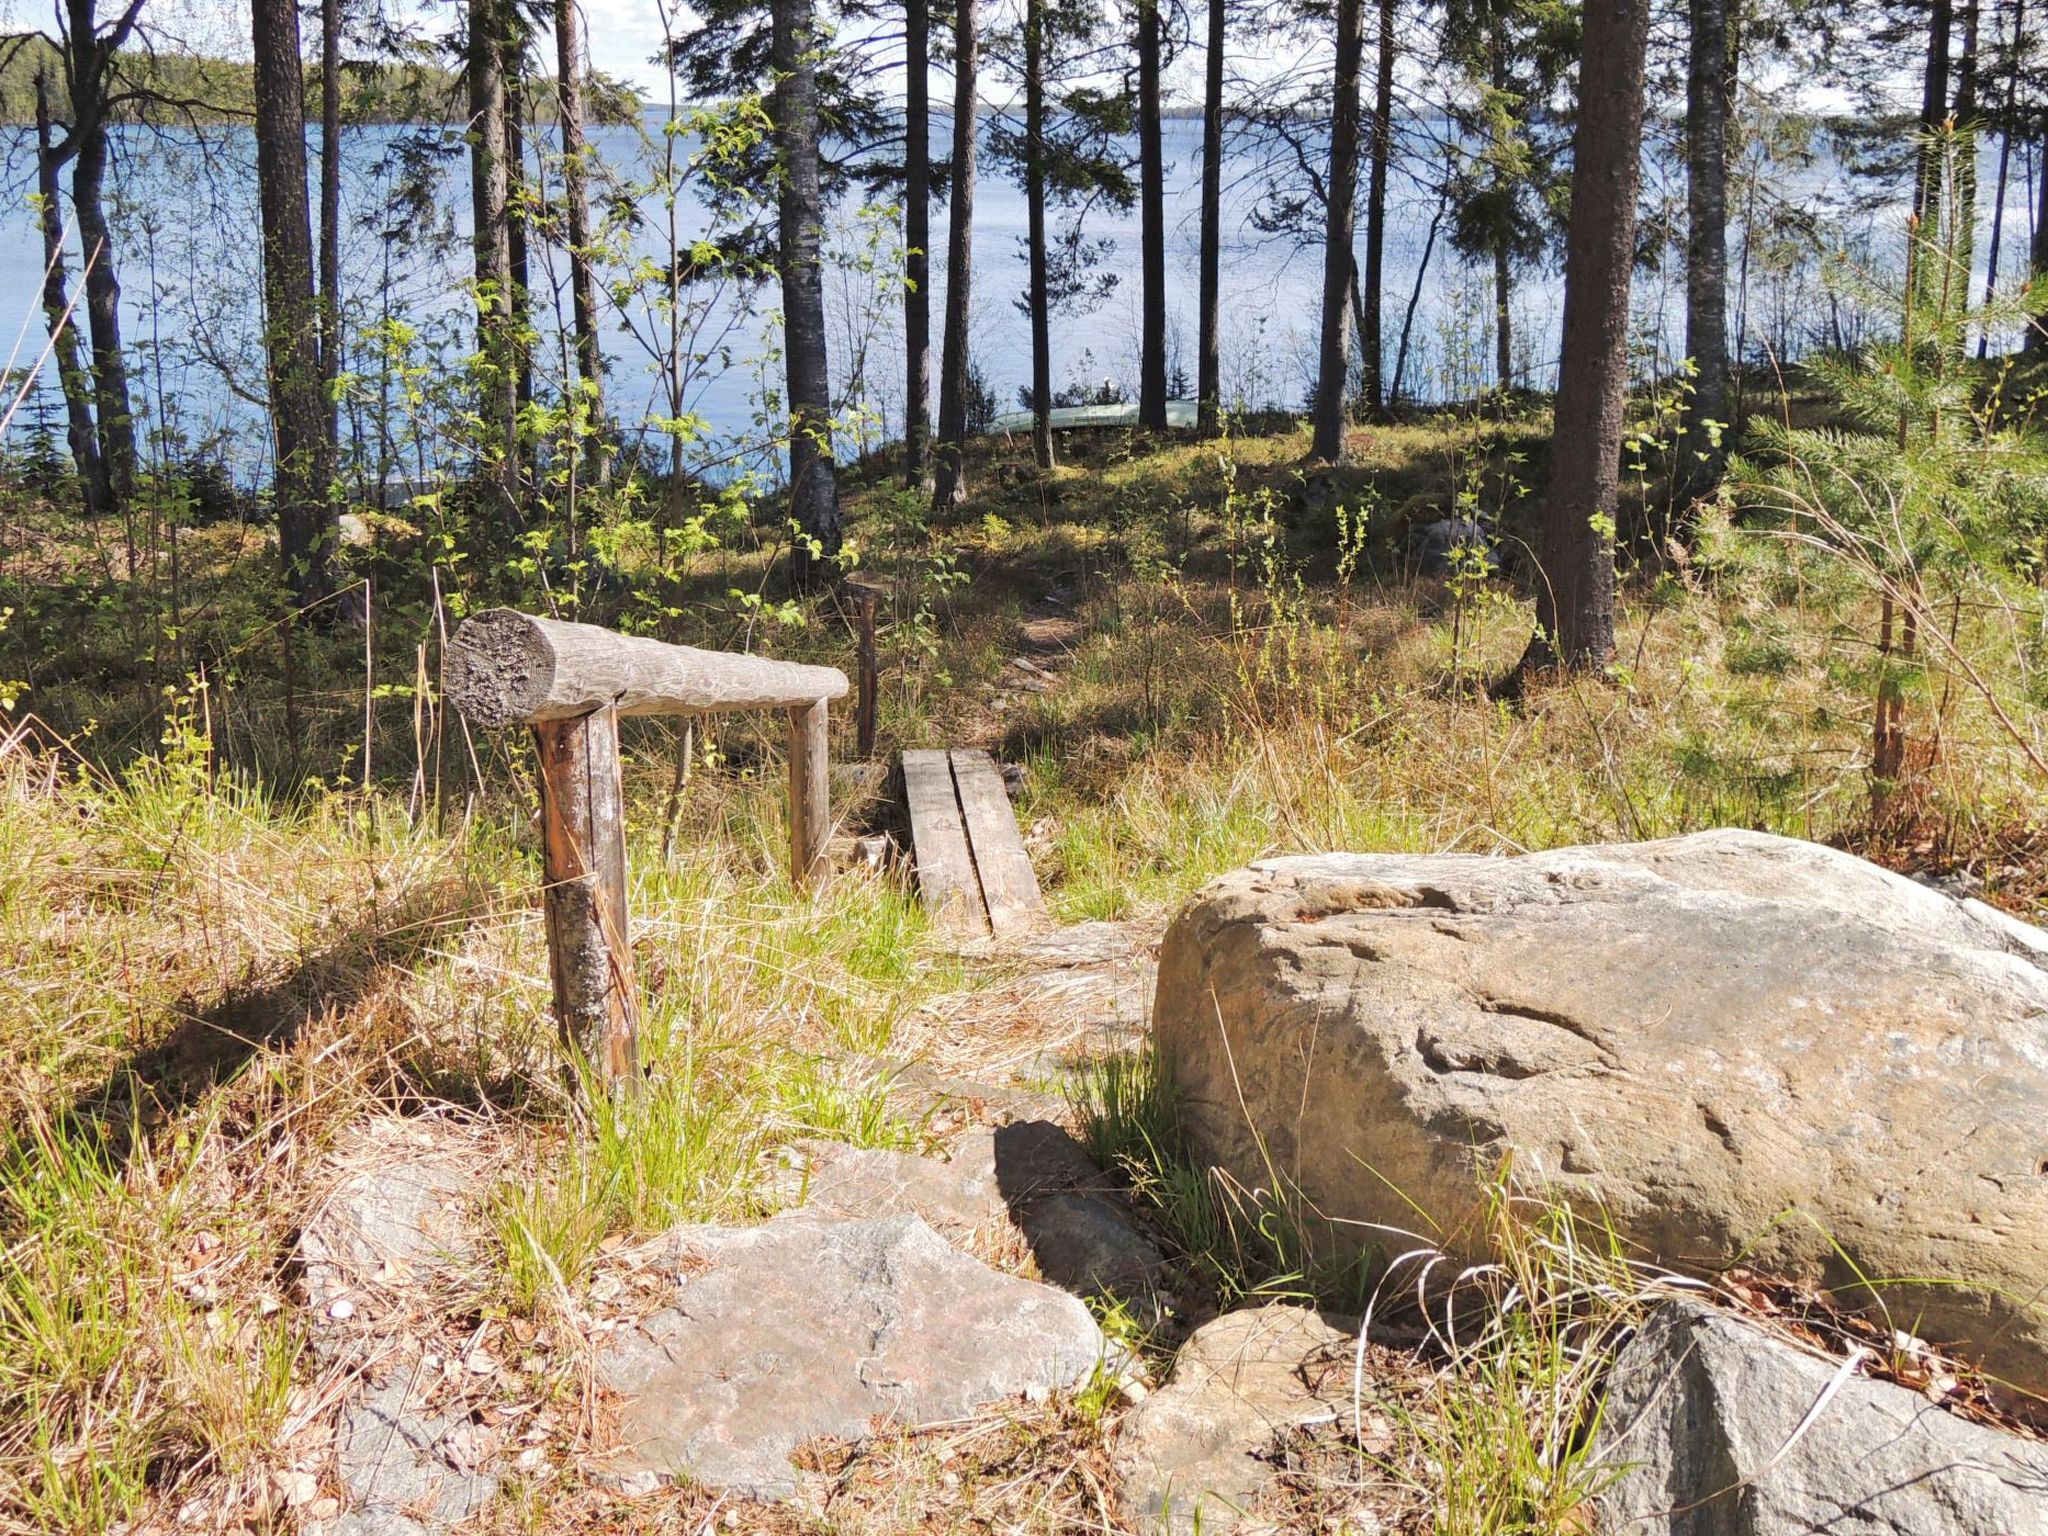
(207, 980)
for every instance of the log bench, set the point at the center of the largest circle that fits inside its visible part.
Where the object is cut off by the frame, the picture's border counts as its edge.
(569, 683)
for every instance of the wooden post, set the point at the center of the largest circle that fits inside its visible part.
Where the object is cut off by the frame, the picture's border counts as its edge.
(865, 598)
(810, 794)
(583, 859)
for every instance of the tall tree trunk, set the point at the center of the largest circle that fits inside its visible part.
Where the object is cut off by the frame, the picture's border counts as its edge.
(1034, 202)
(1708, 85)
(813, 475)
(115, 417)
(1152, 224)
(576, 197)
(1436, 224)
(1503, 318)
(1503, 258)
(917, 237)
(1333, 374)
(2037, 255)
(2005, 133)
(516, 211)
(490, 191)
(1209, 365)
(1965, 193)
(72, 377)
(1370, 346)
(1933, 109)
(331, 343)
(298, 413)
(1575, 585)
(951, 485)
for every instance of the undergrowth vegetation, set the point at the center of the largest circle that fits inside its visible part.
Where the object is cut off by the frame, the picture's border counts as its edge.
(244, 902)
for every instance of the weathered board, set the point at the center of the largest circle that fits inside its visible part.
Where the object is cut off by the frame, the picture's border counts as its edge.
(971, 865)
(938, 841)
(1009, 887)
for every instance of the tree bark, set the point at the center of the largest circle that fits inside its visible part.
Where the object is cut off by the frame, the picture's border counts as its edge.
(512, 55)
(1708, 86)
(576, 198)
(332, 344)
(1503, 259)
(950, 487)
(2037, 257)
(1152, 224)
(89, 54)
(298, 410)
(1933, 109)
(115, 418)
(72, 377)
(1333, 376)
(813, 474)
(1964, 260)
(1034, 201)
(490, 191)
(917, 238)
(2005, 133)
(1370, 346)
(1575, 585)
(1209, 365)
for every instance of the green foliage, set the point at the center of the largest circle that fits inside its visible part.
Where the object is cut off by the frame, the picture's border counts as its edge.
(1929, 485)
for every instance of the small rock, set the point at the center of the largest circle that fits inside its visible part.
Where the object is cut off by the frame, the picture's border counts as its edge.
(955, 1196)
(402, 1471)
(1087, 1244)
(810, 1325)
(398, 1206)
(1700, 1417)
(1187, 1458)
(295, 1489)
(341, 1309)
(1451, 545)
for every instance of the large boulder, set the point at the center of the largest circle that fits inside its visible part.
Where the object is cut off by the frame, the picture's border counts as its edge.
(1702, 1431)
(1734, 1045)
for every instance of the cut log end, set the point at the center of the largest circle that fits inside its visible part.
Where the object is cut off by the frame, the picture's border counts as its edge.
(501, 668)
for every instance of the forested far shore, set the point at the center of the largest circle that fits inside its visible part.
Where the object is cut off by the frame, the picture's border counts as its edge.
(171, 87)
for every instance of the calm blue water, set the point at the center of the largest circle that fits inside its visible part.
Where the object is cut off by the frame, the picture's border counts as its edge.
(188, 260)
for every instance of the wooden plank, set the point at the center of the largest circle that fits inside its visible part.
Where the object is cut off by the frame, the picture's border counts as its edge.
(1009, 887)
(938, 839)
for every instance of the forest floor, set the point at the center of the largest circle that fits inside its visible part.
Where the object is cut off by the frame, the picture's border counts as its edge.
(1196, 655)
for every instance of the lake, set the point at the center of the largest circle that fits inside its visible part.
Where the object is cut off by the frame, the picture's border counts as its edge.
(189, 263)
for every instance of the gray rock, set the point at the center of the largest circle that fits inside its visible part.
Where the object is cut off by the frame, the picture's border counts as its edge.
(1701, 1411)
(397, 1211)
(1730, 1044)
(1189, 1457)
(404, 1468)
(813, 1326)
(1088, 1245)
(957, 1196)
(1440, 547)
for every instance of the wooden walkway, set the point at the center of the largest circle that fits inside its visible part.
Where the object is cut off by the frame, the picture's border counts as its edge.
(971, 865)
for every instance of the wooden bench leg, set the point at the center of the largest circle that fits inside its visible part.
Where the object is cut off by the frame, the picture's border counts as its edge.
(810, 795)
(583, 859)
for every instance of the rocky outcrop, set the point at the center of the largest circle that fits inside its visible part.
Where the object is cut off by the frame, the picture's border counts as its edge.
(810, 1326)
(1732, 1044)
(1718, 1429)
(394, 1227)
